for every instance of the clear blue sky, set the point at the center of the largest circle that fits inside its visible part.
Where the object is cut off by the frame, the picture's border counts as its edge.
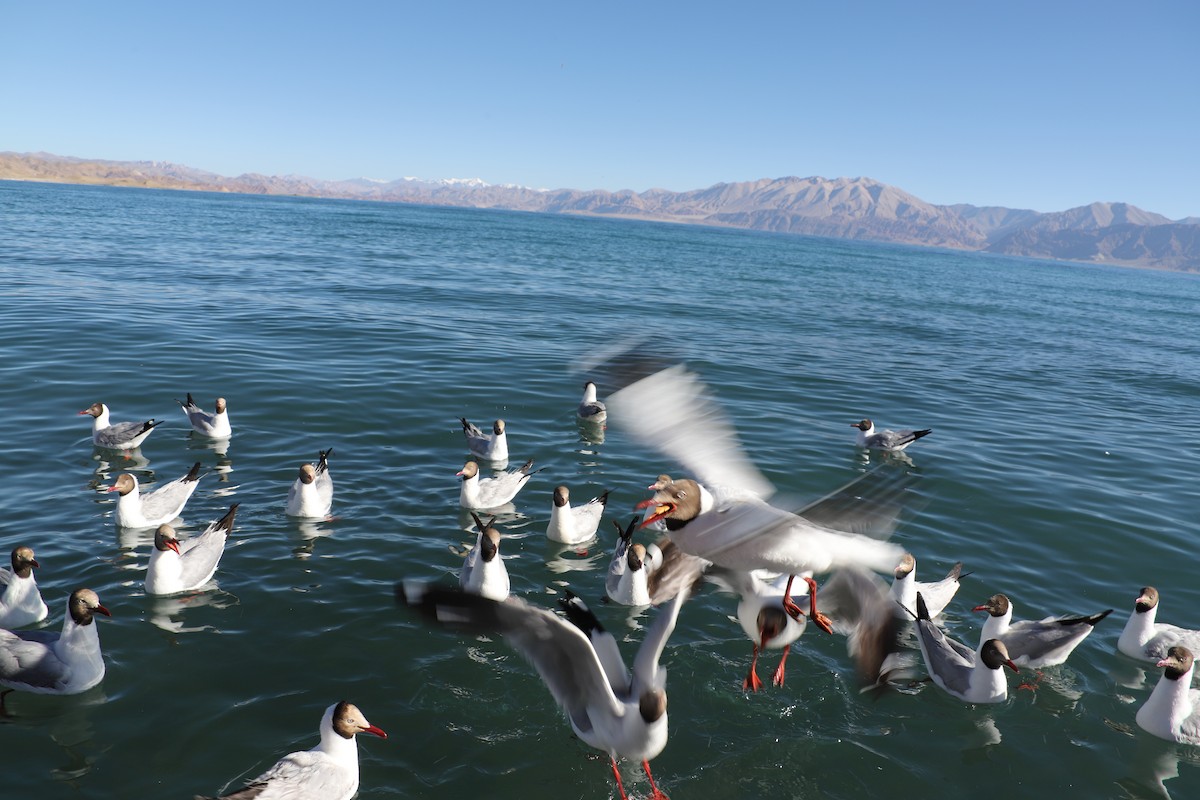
(1044, 105)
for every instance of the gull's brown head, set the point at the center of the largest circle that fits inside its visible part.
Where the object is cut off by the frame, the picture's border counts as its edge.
(676, 504)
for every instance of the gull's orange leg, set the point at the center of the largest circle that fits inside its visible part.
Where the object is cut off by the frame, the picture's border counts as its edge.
(658, 795)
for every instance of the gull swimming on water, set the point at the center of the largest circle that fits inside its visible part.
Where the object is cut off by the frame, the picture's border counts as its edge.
(959, 670)
(177, 566)
(328, 771)
(484, 493)
(1173, 710)
(620, 712)
(311, 495)
(591, 409)
(214, 425)
(483, 572)
(1147, 640)
(1034, 643)
(630, 568)
(892, 441)
(574, 524)
(489, 447)
(117, 435)
(937, 594)
(20, 601)
(137, 510)
(68, 662)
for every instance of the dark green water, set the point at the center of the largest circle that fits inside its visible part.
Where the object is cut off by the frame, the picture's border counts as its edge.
(1061, 470)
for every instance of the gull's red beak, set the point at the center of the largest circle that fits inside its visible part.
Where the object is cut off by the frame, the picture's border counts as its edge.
(660, 510)
(375, 730)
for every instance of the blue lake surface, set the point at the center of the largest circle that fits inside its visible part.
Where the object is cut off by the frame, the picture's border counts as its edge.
(1061, 470)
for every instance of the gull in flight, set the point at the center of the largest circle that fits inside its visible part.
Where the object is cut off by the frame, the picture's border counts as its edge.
(621, 712)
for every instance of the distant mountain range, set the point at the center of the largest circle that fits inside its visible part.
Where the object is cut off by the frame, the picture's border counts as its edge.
(845, 208)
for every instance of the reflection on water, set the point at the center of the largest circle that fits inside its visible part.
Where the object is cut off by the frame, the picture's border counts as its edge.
(129, 539)
(310, 530)
(590, 432)
(68, 721)
(865, 458)
(1128, 674)
(561, 559)
(110, 463)
(987, 733)
(196, 441)
(506, 515)
(222, 469)
(496, 465)
(1153, 763)
(167, 613)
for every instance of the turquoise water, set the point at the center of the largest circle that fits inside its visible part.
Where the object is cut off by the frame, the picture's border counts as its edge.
(1061, 471)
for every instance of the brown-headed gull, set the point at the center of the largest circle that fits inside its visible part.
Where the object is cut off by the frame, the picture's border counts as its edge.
(619, 712)
(177, 566)
(484, 493)
(937, 594)
(214, 425)
(329, 771)
(1147, 640)
(483, 572)
(574, 524)
(311, 495)
(862, 609)
(603, 642)
(892, 441)
(1173, 710)
(137, 510)
(630, 568)
(1034, 643)
(591, 409)
(117, 435)
(857, 604)
(68, 662)
(489, 447)
(20, 601)
(672, 410)
(661, 481)
(765, 621)
(747, 534)
(958, 669)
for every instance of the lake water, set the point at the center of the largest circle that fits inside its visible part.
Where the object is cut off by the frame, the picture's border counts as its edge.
(1061, 470)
